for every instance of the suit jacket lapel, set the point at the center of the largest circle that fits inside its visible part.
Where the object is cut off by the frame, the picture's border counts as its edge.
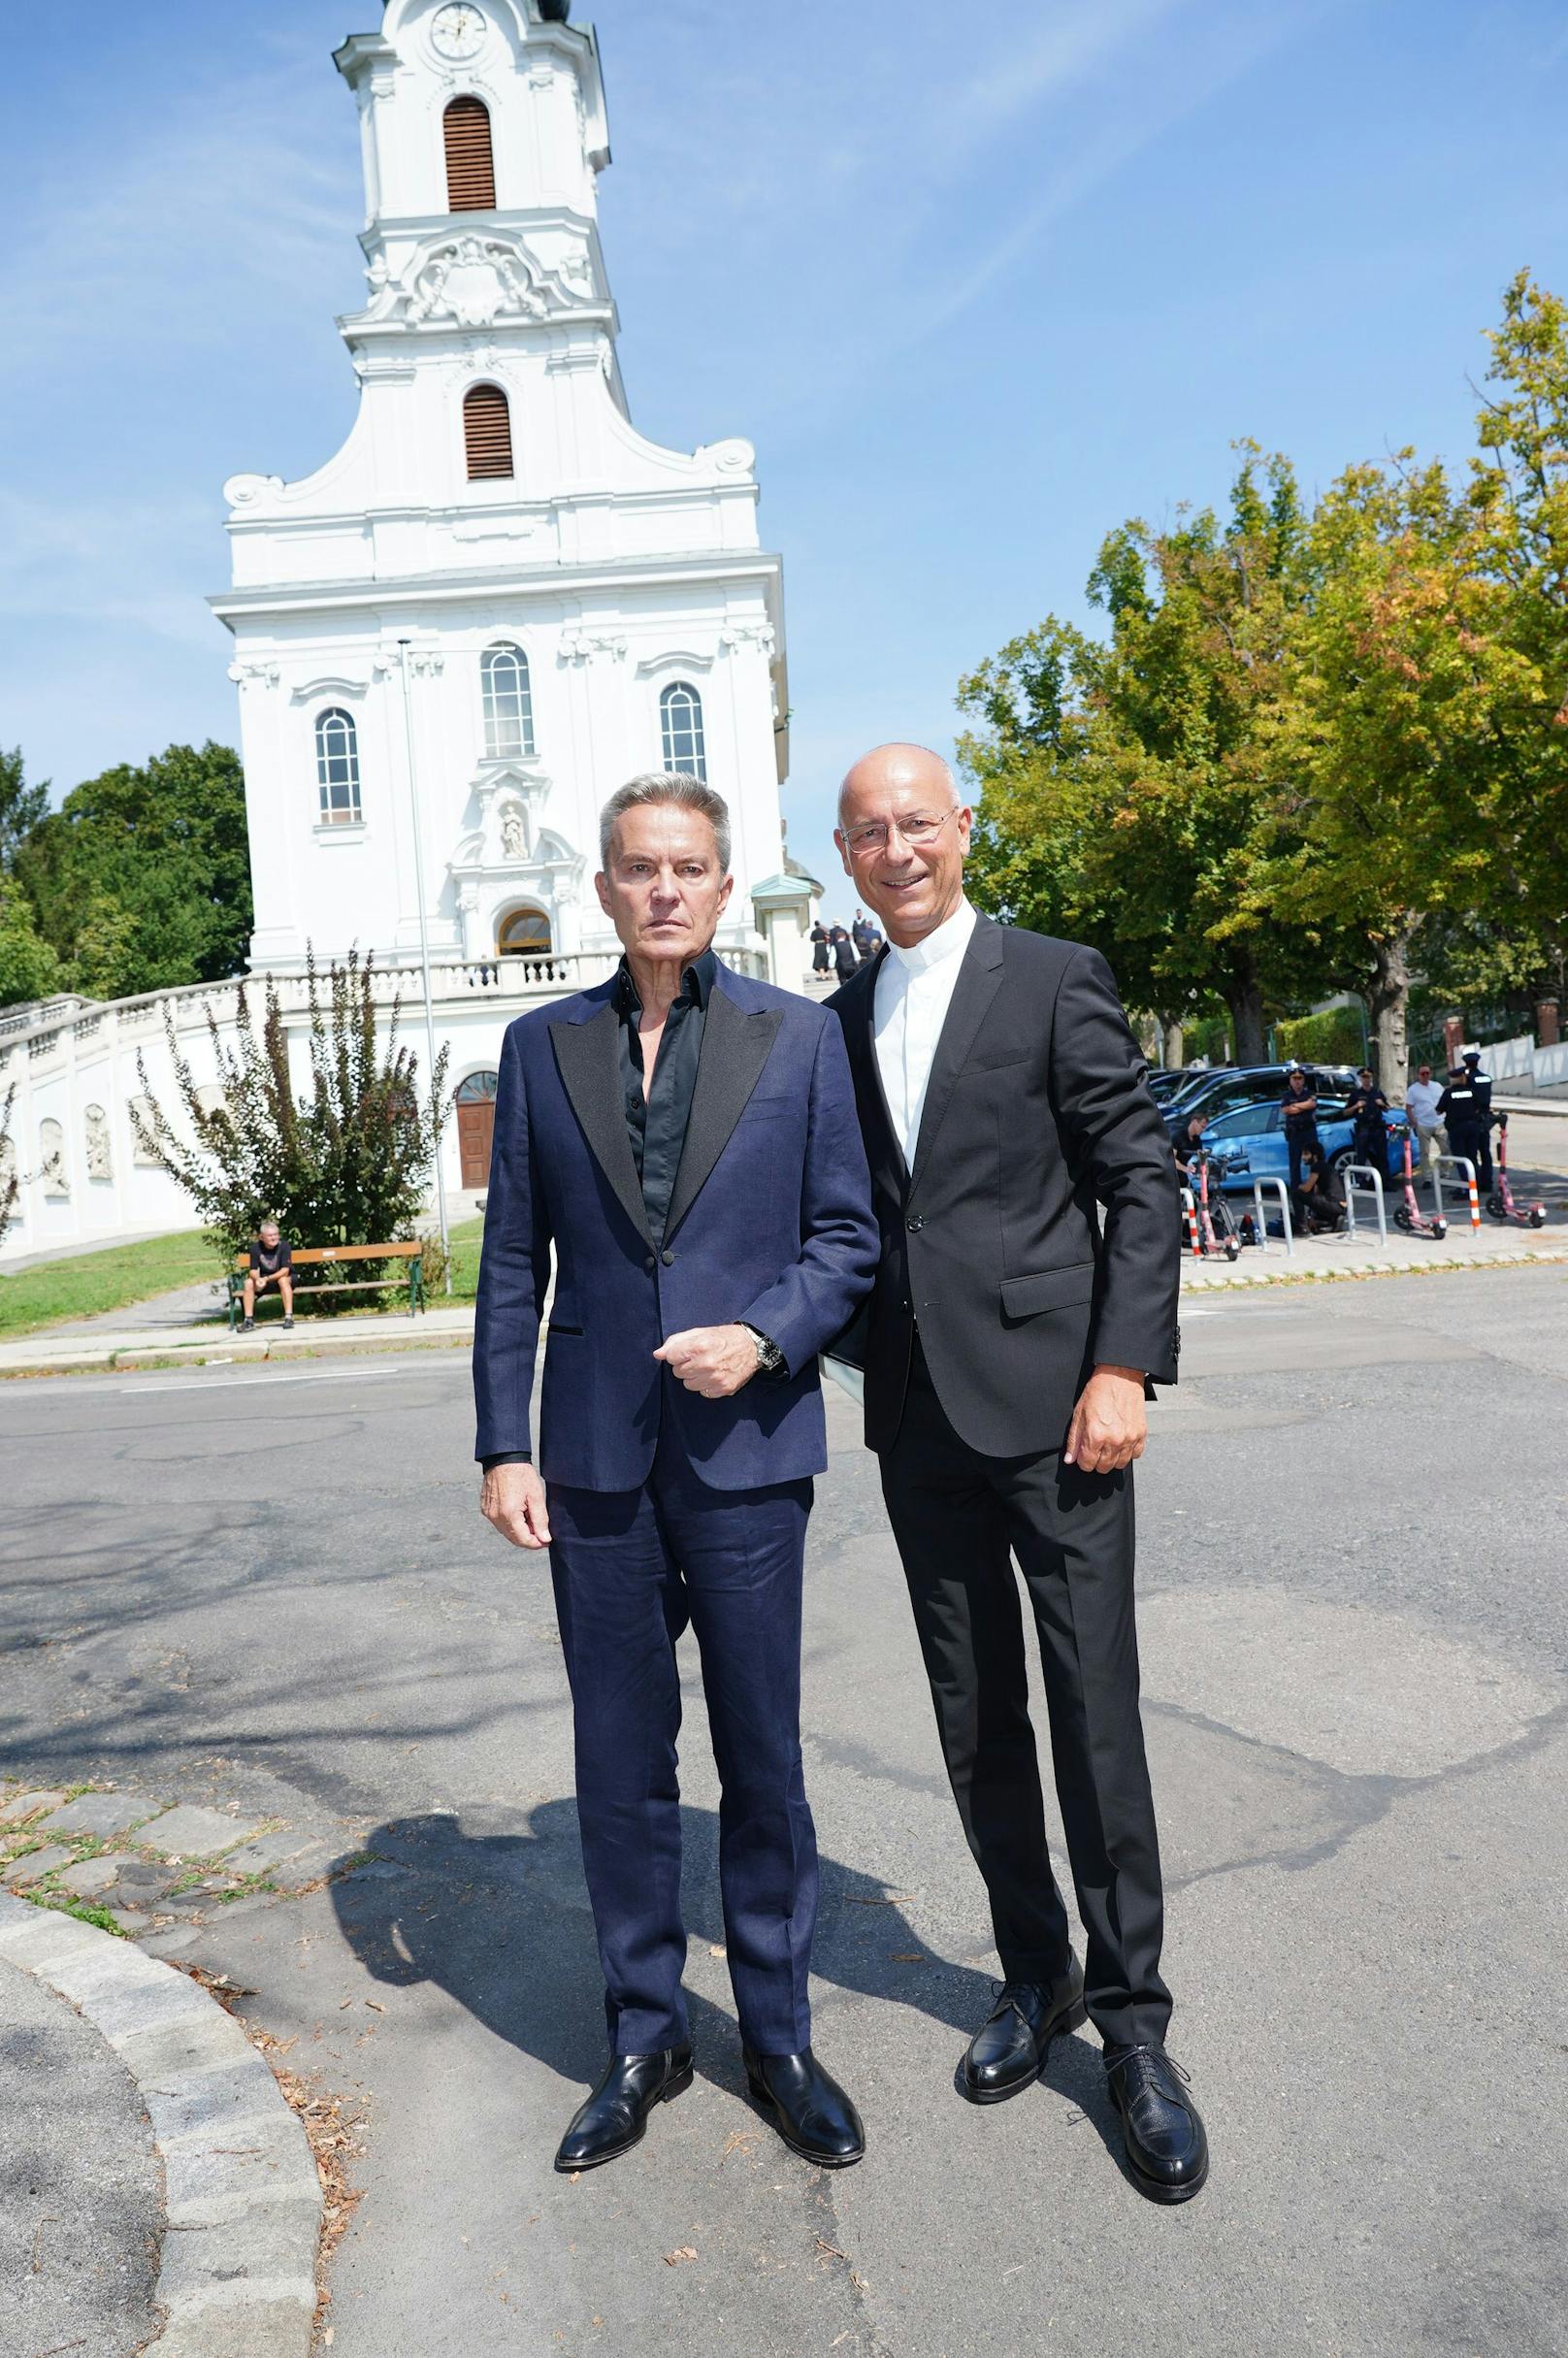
(588, 1056)
(979, 980)
(887, 1144)
(735, 1046)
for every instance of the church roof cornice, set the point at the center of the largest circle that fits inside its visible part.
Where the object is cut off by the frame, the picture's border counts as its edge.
(510, 579)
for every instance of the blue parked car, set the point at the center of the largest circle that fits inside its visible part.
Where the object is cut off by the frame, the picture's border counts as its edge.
(1249, 1143)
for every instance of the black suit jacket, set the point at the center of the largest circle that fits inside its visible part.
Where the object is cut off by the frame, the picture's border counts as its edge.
(1038, 1232)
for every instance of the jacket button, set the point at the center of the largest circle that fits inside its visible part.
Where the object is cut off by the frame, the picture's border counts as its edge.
(650, 1264)
(669, 1260)
(916, 1223)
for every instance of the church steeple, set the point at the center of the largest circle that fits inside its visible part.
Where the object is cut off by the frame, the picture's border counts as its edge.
(483, 133)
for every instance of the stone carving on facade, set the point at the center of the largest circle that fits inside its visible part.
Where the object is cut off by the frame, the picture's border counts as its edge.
(750, 635)
(475, 281)
(425, 663)
(587, 646)
(256, 675)
(513, 833)
(52, 1161)
(100, 1164)
(245, 490)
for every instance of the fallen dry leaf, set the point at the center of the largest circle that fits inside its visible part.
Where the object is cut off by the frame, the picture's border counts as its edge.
(718, 1950)
(683, 2251)
(907, 1956)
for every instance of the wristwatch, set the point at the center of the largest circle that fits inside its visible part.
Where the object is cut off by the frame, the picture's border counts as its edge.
(770, 1360)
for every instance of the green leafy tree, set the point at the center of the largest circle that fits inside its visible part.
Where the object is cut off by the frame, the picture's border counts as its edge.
(347, 1160)
(28, 967)
(1389, 765)
(1126, 788)
(22, 806)
(140, 880)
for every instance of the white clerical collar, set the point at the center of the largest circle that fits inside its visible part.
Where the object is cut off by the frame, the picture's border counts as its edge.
(950, 939)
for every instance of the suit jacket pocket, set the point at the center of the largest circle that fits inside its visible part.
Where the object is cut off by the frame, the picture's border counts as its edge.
(1048, 1290)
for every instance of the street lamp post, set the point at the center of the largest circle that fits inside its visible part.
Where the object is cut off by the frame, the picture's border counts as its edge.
(405, 646)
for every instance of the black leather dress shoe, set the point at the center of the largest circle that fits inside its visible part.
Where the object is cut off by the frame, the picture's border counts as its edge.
(808, 2106)
(1167, 2151)
(613, 2118)
(1008, 2051)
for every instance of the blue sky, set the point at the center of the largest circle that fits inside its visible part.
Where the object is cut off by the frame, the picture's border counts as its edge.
(979, 283)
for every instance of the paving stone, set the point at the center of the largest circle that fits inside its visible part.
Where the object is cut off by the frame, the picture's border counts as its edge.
(261, 2329)
(271, 2245)
(267, 1850)
(39, 1862)
(139, 1879)
(203, 2106)
(27, 1805)
(314, 1860)
(267, 2162)
(103, 1814)
(189, 1832)
(89, 1875)
(132, 1920)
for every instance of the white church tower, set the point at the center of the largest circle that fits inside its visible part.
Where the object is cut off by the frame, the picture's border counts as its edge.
(497, 601)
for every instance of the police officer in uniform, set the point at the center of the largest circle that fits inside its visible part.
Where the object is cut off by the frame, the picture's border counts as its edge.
(1465, 1110)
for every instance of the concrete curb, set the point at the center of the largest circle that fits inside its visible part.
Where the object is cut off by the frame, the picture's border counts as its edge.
(237, 2271)
(1209, 1278)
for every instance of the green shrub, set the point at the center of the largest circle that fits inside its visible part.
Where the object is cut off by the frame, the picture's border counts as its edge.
(1333, 1037)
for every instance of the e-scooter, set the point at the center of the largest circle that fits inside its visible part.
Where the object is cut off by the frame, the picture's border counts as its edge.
(1500, 1202)
(1409, 1215)
(1214, 1245)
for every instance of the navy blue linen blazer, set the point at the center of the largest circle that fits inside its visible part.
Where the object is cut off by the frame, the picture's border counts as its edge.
(770, 1222)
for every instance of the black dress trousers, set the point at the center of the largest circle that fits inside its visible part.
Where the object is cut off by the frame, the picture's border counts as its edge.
(959, 1519)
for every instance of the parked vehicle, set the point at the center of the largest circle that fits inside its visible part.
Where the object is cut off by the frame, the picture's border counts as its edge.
(1249, 1141)
(1213, 1094)
(1165, 1080)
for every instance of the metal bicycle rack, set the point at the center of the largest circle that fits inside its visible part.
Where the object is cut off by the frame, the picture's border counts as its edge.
(1460, 1163)
(1284, 1193)
(1361, 1176)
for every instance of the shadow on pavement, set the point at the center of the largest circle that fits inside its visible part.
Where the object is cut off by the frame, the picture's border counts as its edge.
(501, 1923)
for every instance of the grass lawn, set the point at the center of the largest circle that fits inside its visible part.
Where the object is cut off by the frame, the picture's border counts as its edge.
(465, 1237)
(107, 1280)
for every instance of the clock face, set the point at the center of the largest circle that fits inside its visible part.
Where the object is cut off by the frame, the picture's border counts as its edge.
(458, 31)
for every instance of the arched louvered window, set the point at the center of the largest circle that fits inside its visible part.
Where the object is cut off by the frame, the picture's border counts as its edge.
(337, 768)
(509, 703)
(470, 165)
(680, 723)
(486, 432)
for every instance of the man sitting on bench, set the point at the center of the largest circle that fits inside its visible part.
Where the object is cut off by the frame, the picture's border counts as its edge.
(271, 1263)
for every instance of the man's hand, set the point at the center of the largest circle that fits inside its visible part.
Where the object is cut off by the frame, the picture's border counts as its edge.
(513, 1500)
(714, 1361)
(1110, 1424)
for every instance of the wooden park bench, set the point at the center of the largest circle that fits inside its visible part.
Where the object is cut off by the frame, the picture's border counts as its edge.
(316, 1257)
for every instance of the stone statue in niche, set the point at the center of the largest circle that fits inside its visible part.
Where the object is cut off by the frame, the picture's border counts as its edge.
(51, 1159)
(99, 1164)
(514, 834)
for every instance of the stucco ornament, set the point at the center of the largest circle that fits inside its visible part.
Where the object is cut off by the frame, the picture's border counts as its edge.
(513, 833)
(51, 1159)
(475, 281)
(100, 1164)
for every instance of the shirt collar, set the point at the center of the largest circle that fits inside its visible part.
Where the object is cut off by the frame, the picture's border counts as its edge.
(950, 939)
(696, 983)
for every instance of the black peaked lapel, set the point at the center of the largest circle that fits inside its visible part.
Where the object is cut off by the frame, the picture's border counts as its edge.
(588, 1056)
(979, 981)
(735, 1046)
(876, 1094)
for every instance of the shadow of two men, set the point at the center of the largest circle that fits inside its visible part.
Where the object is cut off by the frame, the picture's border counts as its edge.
(501, 1923)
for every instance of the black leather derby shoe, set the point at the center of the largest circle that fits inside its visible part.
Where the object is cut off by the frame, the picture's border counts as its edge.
(613, 2118)
(1008, 2051)
(1167, 2151)
(808, 2106)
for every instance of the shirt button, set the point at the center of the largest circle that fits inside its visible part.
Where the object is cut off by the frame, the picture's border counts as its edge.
(669, 1260)
(650, 1264)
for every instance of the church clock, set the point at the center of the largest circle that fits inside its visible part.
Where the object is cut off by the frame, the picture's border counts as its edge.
(458, 31)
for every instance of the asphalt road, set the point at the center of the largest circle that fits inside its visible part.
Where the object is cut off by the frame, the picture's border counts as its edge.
(272, 1588)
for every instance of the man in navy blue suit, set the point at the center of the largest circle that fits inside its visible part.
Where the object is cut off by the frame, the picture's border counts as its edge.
(680, 1143)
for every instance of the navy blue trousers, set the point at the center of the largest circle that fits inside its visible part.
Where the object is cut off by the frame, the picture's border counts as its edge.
(632, 1568)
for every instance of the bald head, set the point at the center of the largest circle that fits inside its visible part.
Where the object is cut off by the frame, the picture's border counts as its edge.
(903, 834)
(900, 766)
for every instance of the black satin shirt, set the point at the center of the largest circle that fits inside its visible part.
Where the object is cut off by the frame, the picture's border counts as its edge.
(656, 1118)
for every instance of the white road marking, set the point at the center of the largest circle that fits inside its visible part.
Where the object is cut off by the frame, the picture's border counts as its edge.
(333, 1375)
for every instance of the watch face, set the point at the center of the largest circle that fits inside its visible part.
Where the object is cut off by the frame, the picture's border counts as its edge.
(458, 30)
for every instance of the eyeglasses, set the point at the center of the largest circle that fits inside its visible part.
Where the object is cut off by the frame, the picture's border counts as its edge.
(916, 832)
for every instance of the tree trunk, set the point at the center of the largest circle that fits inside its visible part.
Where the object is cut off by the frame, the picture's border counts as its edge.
(1245, 1000)
(1387, 1004)
(1174, 1042)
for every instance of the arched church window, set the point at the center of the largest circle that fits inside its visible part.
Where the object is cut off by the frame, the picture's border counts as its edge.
(470, 165)
(509, 703)
(680, 722)
(337, 768)
(486, 432)
(524, 934)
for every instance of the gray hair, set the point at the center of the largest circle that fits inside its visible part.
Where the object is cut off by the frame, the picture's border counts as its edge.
(667, 786)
